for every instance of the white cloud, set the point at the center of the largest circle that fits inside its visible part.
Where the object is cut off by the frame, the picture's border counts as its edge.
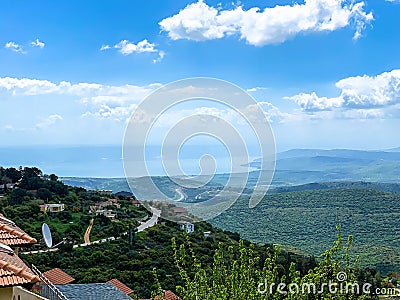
(161, 55)
(14, 47)
(89, 93)
(171, 117)
(27, 86)
(366, 91)
(119, 113)
(126, 48)
(19, 48)
(49, 121)
(361, 97)
(363, 114)
(199, 21)
(102, 101)
(312, 102)
(271, 112)
(256, 89)
(38, 43)
(105, 47)
(360, 92)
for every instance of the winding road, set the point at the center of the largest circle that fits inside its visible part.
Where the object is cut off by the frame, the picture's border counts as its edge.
(182, 196)
(152, 221)
(149, 223)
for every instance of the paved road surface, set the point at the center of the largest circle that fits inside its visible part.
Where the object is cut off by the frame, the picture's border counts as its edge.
(182, 196)
(153, 220)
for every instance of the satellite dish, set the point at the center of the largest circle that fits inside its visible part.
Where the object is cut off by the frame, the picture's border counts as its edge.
(6, 249)
(47, 235)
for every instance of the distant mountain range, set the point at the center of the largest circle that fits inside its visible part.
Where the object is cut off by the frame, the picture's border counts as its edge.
(375, 186)
(299, 166)
(293, 168)
(394, 150)
(347, 153)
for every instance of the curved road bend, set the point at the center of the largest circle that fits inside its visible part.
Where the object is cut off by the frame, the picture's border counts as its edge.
(150, 223)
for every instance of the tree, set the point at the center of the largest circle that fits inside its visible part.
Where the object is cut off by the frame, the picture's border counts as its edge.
(17, 197)
(30, 183)
(13, 174)
(32, 172)
(60, 189)
(44, 194)
(53, 177)
(64, 216)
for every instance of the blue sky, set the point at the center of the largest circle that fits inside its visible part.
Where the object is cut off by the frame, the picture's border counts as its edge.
(326, 72)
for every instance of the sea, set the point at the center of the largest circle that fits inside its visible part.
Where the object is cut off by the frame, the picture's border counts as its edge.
(105, 161)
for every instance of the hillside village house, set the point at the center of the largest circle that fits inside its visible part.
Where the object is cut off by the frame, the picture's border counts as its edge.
(189, 227)
(168, 295)
(105, 204)
(58, 276)
(137, 203)
(16, 278)
(101, 208)
(52, 208)
(206, 234)
(8, 186)
(64, 285)
(179, 210)
(105, 212)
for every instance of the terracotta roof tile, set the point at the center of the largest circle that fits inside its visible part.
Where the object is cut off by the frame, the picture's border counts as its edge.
(13, 270)
(57, 276)
(12, 235)
(168, 295)
(118, 284)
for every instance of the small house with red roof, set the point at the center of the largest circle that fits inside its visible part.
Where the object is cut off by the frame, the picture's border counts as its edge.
(57, 276)
(122, 287)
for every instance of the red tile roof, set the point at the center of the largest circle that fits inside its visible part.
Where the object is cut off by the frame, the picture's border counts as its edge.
(13, 270)
(57, 276)
(12, 235)
(168, 295)
(122, 287)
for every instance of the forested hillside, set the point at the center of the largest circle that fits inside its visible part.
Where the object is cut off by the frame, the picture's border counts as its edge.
(305, 220)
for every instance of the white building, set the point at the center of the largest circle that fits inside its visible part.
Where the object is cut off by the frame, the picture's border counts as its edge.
(105, 212)
(206, 234)
(189, 227)
(57, 207)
